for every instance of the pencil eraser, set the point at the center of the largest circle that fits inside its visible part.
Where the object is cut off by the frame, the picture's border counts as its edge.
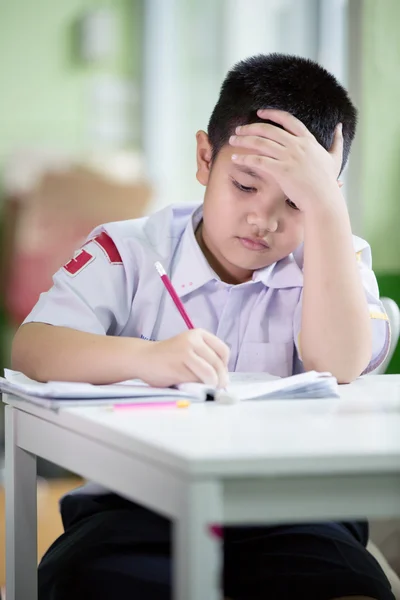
(183, 403)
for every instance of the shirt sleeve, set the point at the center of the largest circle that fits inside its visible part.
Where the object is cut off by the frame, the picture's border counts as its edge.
(91, 292)
(379, 320)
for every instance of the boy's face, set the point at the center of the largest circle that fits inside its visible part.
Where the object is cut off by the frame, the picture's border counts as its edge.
(247, 222)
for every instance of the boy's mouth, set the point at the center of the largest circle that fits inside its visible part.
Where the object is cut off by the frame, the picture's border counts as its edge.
(255, 244)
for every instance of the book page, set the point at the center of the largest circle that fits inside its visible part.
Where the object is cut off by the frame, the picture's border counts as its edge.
(248, 386)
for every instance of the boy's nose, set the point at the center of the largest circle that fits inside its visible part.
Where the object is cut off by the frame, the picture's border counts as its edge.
(262, 225)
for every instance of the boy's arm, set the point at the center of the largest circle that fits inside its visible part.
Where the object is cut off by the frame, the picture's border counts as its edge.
(379, 323)
(46, 352)
(336, 331)
(52, 353)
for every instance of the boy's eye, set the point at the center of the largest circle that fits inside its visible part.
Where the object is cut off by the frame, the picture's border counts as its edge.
(243, 188)
(291, 204)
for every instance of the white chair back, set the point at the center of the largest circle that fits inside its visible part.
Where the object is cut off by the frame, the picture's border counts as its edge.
(393, 313)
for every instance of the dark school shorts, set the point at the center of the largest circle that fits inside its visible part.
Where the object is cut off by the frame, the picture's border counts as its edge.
(113, 549)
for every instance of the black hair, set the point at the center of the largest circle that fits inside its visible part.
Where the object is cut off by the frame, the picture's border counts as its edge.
(297, 85)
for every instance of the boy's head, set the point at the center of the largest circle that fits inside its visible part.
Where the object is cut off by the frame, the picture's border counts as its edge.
(289, 83)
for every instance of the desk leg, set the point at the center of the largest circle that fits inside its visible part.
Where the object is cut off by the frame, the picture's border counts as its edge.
(197, 553)
(21, 515)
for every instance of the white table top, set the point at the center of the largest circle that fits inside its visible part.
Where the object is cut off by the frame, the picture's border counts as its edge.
(358, 432)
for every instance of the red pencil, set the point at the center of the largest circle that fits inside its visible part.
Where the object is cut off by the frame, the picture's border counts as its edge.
(170, 289)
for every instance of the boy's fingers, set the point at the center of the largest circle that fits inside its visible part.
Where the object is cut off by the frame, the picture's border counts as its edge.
(257, 161)
(288, 121)
(214, 360)
(210, 356)
(202, 370)
(217, 345)
(336, 150)
(266, 130)
(259, 144)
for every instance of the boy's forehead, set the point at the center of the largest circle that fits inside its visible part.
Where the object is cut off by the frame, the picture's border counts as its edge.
(248, 171)
(226, 154)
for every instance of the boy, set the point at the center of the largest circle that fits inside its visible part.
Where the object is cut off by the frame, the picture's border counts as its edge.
(270, 274)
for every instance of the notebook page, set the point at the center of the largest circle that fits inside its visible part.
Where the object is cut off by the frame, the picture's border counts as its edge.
(248, 386)
(237, 378)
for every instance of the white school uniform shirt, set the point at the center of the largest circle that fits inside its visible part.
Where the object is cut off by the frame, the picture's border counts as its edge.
(112, 287)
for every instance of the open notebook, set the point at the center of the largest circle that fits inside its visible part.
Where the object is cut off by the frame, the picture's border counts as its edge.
(243, 386)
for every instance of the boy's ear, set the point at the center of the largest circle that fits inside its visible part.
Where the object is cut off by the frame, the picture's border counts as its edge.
(203, 156)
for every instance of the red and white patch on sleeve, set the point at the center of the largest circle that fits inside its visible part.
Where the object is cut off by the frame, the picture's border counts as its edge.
(109, 248)
(81, 260)
(83, 257)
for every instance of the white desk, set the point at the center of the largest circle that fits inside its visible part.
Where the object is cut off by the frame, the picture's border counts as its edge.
(255, 462)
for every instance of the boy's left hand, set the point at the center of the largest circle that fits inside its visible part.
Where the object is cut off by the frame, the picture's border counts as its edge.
(304, 170)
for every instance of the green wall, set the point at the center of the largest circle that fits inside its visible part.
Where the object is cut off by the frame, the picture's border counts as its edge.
(43, 83)
(380, 123)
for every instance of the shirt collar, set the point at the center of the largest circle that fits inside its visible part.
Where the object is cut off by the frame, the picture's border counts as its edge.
(192, 271)
(285, 273)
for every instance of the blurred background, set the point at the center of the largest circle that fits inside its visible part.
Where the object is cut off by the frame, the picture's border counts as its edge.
(100, 101)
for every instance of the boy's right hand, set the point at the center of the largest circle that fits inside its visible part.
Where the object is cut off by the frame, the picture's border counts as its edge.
(195, 355)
